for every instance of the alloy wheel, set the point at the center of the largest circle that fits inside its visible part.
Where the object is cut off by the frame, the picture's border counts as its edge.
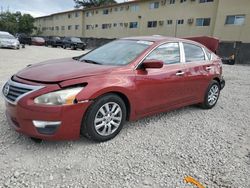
(108, 119)
(213, 94)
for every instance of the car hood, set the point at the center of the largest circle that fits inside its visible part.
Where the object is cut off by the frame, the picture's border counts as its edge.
(61, 70)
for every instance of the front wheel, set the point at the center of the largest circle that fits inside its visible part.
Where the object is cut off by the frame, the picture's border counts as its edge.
(212, 95)
(105, 118)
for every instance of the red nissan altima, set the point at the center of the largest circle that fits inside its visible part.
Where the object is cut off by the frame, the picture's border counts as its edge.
(126, 79)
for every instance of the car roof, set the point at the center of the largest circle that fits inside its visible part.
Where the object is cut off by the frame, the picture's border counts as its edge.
(160, 38)
(153, 38)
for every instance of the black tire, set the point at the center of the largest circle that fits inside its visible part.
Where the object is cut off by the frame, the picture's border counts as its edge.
(83, 48)
(64, 46)
(88, 126)
(206, 104)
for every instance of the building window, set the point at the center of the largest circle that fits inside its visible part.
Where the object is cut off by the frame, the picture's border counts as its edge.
(154, 5)
(69, 27)
(134, 8)
(172, 2)
(62, 28)
(88, 27)
(133, 25)
(182, 1)
(180, 22)
(114, 24)
(69, 15)
(152, 24)
(106, 26)
(52, 28)
(96, 25)
(96, 11)
(88, 14)
(121, 24)
(169, 22)
(76, 27)
(57, 28)
(203, 21)
(121, 8)
(76, 14)
(235, 20)
(105, 11)
(206, 1)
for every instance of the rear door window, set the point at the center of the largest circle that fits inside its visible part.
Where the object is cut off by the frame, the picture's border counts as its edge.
(193, 53)
(208, 54)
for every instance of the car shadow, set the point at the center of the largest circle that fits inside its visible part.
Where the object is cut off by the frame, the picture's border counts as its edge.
(83, 141)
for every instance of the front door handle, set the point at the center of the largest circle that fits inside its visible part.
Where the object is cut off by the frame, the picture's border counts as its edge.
(179, 73)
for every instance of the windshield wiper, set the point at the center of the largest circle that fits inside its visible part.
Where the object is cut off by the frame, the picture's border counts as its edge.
(91, 61)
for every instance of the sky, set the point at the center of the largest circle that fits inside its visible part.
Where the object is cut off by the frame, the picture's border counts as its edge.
(38, 7)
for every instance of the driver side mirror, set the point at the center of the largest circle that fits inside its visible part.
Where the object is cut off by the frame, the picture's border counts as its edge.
(152, 64)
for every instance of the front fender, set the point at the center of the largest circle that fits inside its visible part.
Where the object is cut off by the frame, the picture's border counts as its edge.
(100, 85)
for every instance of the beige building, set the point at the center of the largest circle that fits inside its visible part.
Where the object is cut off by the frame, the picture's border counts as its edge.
(226, 19)
(68, 23)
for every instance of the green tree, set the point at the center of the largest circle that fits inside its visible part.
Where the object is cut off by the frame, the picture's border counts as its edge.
(92, 3)
(26, 24)
(16, 22)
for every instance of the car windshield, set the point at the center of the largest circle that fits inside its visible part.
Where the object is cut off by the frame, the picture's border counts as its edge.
(5, 36)
(74, 39)
(119, 52)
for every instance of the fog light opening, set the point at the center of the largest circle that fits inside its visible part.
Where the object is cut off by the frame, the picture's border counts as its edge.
(44, 124)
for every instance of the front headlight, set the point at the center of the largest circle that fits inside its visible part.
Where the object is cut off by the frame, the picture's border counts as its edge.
(16, 42)
(61, 97)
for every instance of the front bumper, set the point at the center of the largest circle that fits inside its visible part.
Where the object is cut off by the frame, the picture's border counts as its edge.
(13, 46)
(58, 122)
(21, 119)
(80, 45)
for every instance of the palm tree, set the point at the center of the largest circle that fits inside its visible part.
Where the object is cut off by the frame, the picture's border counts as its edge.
(92, 3)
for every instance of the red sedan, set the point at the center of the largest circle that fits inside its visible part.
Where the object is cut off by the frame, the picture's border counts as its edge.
(126, 79)
(37, 41)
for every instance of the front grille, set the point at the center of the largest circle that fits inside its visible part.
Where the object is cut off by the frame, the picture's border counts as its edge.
(13, 91)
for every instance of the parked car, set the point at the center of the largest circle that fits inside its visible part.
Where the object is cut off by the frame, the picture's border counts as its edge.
(73, 43)
(8, 41)
(38, 41)
(24, 39)
(127, 79)
(54, 41)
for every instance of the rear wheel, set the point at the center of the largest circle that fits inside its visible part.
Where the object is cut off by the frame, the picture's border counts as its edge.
(212, 95)
(105, 118)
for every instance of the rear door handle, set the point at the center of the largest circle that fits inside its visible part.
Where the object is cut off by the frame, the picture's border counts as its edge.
(179, 73)
(208, 68)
